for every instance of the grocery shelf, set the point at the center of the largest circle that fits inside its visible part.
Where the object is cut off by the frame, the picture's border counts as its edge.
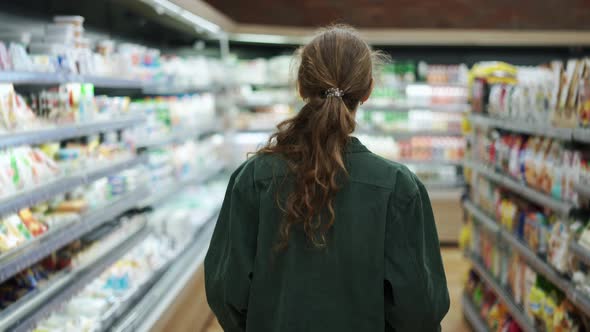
(542, 199)
(582, 135)
(436, 84)
(446, 108)
(519, 126)
(245, 104)
(163, 193)
(271, 85)
(43, 192)
(29, 313)
(401, 134)
(580, 252)
(178, 136)
(144, 315)
(515, 310)
(117, 166)
(482, 218)
(107, 82)
(40, 247)
(578, 299)
(119, 310)
(583, 189)
(151, 89)
(62, 132)
(472, 315)
(41, 78)
(434, 162)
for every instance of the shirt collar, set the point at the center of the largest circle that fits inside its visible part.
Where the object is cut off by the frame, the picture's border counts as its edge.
(355, 146)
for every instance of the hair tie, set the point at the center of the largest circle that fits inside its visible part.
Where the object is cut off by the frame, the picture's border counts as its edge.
(334, 92)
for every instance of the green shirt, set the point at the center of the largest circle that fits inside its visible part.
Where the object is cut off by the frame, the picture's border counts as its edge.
(381, 269)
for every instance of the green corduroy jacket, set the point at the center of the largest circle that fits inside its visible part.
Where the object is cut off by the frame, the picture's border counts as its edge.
(380, 271)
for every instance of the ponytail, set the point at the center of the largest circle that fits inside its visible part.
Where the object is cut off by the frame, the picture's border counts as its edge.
(313, 142)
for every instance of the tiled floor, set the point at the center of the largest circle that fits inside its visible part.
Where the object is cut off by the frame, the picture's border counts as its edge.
(456, 269)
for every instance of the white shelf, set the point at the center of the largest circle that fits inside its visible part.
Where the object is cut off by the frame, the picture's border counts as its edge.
(162, 194)
(28, 313)
(40, 247)
(515, 310)
(446, 108)
(178, 136)
(58, 133)
(399, 134)
(151, 89)
(518, 126)
(537, 197)
(40, 78)
(144, 315)
(433, 163)
(472, 315)
(43, 192)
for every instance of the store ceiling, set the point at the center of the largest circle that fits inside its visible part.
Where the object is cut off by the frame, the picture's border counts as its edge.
(412, 14)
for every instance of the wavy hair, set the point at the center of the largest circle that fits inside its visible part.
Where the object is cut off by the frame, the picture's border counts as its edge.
(312, 143)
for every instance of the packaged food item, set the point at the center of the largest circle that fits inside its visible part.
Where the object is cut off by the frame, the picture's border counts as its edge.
(15, 226)
(35, 227)
(584, 96)
(8, 240)
(558, 253)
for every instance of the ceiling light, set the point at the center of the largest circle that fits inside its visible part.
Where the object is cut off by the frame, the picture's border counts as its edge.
(266, 39)
(177, 11)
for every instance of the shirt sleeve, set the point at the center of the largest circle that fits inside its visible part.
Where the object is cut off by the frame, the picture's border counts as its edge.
(230, 258)
(416, 294)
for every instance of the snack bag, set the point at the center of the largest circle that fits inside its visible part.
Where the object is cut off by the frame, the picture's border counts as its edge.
(530, 278)
(558, 246)
(540, 160)
(549, 308)
(584, 97)
(33, 225)
(514, 168)
(7, 239)
(532, 231)
(536, 301)
(528, 163)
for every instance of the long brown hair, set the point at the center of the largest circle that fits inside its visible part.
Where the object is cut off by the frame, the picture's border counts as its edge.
(312, 143)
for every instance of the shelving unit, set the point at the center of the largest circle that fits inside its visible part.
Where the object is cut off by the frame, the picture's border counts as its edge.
(28, 313)
(160, 195)
(450, 108)
(41, 78)
(579, 299)
(434, 162)
(472, 316)
(518, 126)
(43, 192)
(145, 314)
(580, 252)
(38, 248)
(57, 133)
(583, 189)
(515, 310)
(163, 90)
(542, 199)
(410, 133)
(177, 136)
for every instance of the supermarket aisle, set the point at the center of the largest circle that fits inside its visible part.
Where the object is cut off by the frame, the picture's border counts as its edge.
(456, 267)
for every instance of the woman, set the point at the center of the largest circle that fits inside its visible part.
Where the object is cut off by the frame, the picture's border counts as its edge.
(317, 233)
